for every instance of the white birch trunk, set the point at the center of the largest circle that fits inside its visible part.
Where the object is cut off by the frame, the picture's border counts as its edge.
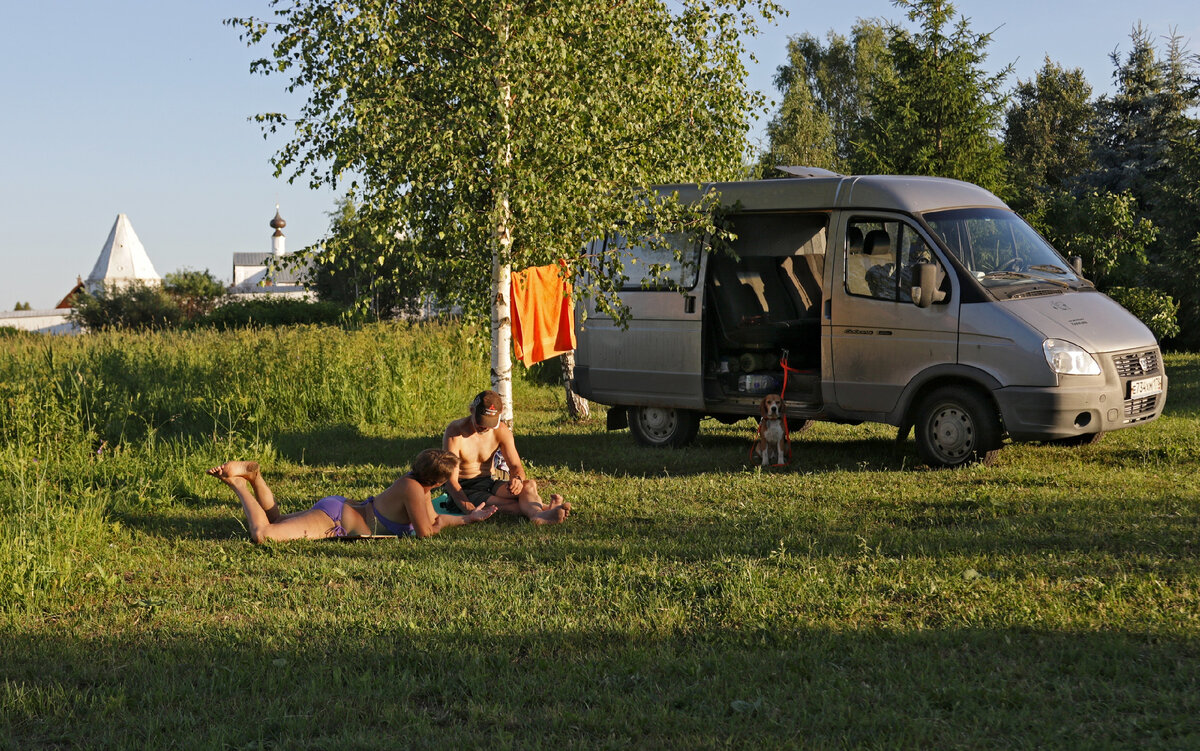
(502, 243)
(502, 317)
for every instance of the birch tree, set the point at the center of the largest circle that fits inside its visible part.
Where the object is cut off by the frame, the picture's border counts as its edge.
(502, 134)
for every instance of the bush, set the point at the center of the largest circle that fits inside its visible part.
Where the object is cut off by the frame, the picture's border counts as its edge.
(1156, 309)
(270, 312)
(134, 306)
(196, 292)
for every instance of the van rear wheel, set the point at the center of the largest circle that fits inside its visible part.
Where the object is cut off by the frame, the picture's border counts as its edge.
(957, 426)
(663, 426)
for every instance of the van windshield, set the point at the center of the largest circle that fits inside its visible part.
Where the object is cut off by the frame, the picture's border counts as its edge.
(1004, 253)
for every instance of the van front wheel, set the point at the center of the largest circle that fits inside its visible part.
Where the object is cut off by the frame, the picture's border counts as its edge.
(663, 426)
(957, 426)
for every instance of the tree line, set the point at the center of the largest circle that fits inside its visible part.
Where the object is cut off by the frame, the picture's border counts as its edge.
(481, 136)
(1114, 179)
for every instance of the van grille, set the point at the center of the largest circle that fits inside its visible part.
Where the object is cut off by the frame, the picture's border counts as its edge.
(1137, 410)
(1133, 364)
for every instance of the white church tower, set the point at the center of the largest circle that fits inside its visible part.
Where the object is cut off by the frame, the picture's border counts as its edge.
(122, 260)
(277, 239)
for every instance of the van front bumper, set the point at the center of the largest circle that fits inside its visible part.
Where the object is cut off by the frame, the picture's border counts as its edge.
(1080, 405)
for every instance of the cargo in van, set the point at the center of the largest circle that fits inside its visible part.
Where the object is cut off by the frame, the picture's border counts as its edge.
(919, 302)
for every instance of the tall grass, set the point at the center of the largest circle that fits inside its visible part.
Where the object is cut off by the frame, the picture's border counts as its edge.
(121, 386)
(117, 422)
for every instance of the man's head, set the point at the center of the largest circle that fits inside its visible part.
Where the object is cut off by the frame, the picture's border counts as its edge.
(485, 410)
(432, 467)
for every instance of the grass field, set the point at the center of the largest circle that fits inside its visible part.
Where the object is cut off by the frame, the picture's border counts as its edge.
(854, 599)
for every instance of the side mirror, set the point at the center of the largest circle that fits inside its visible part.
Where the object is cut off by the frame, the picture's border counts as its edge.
(927, 293)
(1077, 265)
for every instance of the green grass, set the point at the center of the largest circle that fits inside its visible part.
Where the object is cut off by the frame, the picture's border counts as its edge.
(851, 600)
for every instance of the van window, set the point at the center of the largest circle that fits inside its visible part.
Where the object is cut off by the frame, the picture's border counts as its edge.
(882, 257)
(671, 262)
(999, 248)
(782, 260)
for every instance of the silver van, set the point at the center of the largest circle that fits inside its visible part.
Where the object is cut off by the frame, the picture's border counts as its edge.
(912, 301)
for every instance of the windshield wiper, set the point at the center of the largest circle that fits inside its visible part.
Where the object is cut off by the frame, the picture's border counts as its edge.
(1036, 293)
(1048, 268)
(1006, 275)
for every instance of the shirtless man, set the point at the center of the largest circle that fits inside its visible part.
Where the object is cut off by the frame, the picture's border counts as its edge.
(474, 440)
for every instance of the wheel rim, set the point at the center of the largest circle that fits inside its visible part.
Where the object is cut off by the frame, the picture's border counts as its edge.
(658, 424)
(951, 432)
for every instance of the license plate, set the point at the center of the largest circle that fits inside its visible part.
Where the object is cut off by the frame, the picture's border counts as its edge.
(1145, 387)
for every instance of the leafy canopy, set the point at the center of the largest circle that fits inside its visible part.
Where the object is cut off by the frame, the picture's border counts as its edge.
(563, 112)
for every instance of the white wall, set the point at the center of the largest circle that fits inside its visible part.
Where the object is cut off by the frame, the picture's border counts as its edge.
(53, 321)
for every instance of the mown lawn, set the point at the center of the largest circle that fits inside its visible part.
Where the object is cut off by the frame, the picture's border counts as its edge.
(854, 599)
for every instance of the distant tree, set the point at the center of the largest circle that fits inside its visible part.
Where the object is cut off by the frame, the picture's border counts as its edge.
(1178, 258)
(507, 132)
(22, 306)
(361, 264)
(943, 113)
(800, 133)
(135, 306)
(1048, 135)
(195, 292)
(1105, 230)
(826, 89)
(1139, 123)
(1147, 144)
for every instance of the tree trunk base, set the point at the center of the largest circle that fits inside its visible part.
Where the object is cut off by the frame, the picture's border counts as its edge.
(577, 406)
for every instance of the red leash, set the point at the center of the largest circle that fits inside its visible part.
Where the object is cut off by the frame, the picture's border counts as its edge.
(782, 397)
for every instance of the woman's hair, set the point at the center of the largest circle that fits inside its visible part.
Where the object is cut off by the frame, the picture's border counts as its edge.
(433, 467)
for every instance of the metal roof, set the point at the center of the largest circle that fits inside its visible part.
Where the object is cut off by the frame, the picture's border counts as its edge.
(908, 194)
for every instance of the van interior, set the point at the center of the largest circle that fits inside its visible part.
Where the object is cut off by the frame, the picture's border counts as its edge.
(764, 310)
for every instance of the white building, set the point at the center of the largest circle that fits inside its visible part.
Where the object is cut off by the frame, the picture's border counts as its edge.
(253, 276)
(122, 261)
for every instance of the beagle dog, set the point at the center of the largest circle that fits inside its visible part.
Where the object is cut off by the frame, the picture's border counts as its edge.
(771, 433)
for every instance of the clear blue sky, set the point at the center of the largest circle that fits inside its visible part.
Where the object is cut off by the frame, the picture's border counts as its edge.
(140, 107)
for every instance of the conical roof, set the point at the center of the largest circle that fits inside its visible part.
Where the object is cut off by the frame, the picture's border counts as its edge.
(123, 258)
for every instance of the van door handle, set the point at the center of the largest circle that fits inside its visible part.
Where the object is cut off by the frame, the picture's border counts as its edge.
(689, 304)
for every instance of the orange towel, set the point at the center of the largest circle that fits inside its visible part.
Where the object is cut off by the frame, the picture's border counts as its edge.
(543, 317)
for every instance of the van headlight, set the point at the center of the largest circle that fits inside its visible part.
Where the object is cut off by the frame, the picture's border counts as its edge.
(1067, 358)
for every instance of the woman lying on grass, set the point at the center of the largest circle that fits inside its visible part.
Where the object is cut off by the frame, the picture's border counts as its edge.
(404, 509)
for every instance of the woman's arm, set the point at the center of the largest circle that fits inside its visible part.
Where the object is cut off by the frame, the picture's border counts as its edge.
(426, 522)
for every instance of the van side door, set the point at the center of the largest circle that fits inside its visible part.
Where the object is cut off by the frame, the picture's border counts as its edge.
(879, 338)
(657, 359)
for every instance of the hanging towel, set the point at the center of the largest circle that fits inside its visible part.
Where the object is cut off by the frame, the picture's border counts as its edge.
(543, 317)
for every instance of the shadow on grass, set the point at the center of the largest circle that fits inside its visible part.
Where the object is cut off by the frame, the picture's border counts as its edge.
(375, 681)
(341, 445)
(609, 453)
(953, 531)
(181, 527)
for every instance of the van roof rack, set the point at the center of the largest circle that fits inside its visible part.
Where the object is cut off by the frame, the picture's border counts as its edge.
(807, 171)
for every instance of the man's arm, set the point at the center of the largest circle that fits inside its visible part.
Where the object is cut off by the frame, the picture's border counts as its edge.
(508, 449)
(452, 488)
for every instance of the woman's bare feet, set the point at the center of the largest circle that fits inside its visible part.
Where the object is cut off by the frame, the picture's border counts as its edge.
(230, 470)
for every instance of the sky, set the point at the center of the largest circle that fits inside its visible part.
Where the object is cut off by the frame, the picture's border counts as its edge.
(142, 107)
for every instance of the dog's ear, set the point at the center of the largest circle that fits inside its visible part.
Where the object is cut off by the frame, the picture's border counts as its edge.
(762, 405)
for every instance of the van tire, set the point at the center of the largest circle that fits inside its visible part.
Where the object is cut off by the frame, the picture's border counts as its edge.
(956, 426)
(663, 427)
